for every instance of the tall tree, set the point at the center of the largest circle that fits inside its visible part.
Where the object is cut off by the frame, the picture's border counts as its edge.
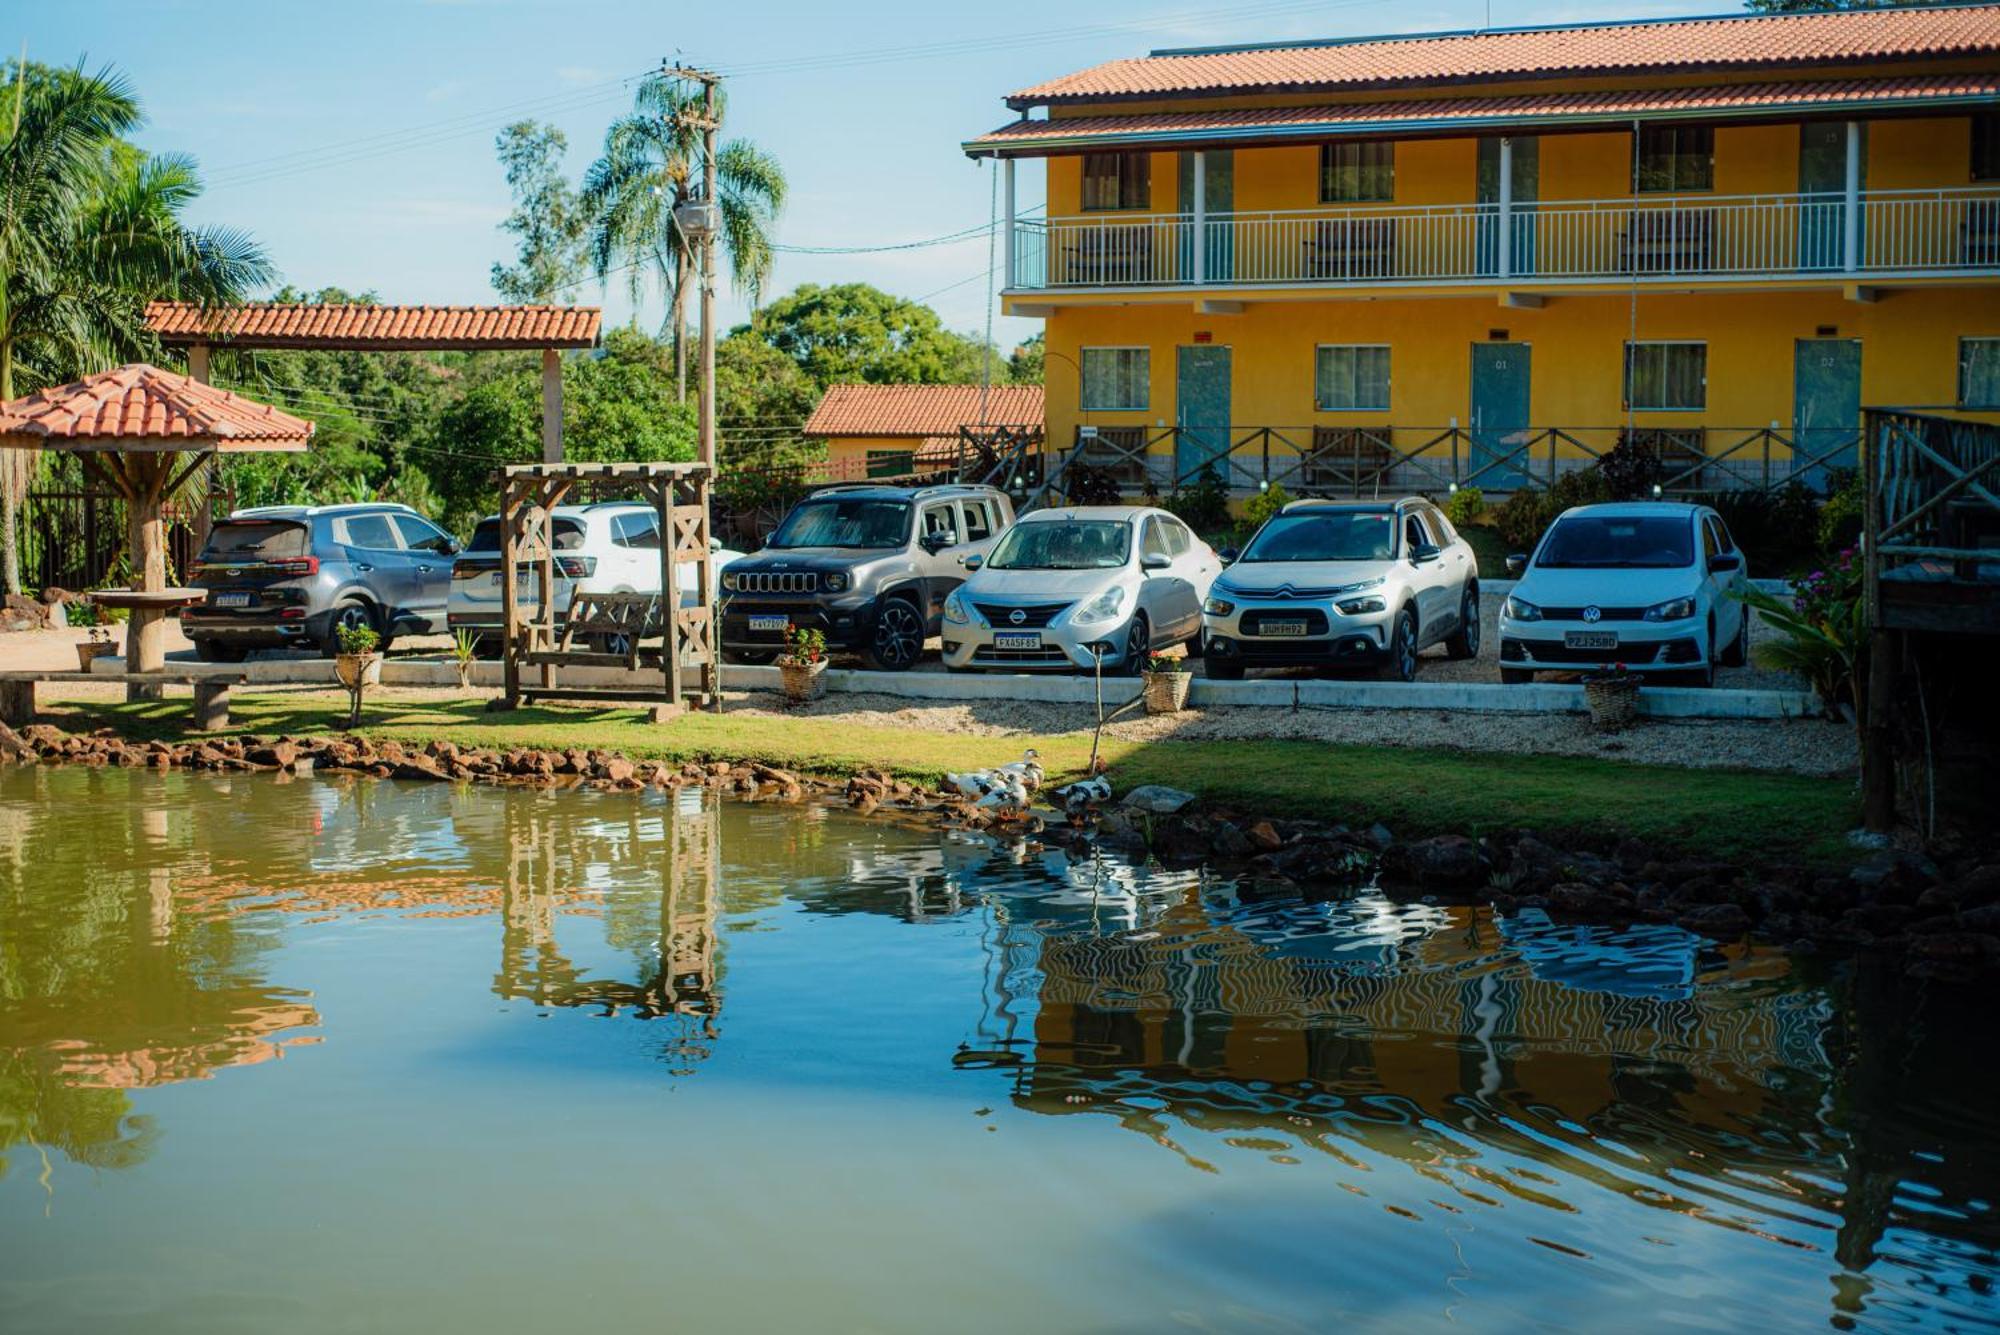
(90, 231)
(853, 332)
(1815, 6)
(548, 222)
(652, 164)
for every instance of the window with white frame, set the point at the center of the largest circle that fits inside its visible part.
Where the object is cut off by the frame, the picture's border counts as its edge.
(1115, 379)
(1979, 373)
(1351, 378)
(1666, 377)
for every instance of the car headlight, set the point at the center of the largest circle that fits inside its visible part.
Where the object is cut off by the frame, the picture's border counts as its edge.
(955, 610)
(836, 582)
(1375, 583)
(1103, 607)
(729, 581)
(1518, 609)
(1674, 609)
(1355, 607)
(1218, 607)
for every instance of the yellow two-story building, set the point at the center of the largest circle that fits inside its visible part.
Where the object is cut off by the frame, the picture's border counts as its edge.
(1487, 257)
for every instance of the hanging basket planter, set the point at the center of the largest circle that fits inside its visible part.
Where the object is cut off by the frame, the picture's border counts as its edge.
(803, 681)
(1613, 699)
(358, 670)
(1167, 682)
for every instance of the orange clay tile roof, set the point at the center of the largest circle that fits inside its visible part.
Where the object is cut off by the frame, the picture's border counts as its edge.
(1529, 108)
(1720, 43)
(376, 328)
(140, 407)
(921, 410)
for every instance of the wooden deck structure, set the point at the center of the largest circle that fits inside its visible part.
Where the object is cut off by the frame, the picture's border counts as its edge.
(536, 639)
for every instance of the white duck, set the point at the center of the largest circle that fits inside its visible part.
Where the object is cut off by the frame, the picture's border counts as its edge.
(1009, 794)
(1078, 798)
(982, 784)
(1029, 767)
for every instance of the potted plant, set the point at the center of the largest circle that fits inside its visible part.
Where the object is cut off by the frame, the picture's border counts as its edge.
(1612, 694)
(1167, 682)
(97, 646)
(464, 649)
(357, 665)
(803, 663)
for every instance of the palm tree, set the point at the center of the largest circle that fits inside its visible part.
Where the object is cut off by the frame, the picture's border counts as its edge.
(652, 163)
(90, 231)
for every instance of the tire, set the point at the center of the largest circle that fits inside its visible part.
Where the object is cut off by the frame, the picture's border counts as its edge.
(1402, 661)
(898, 639)
(1198, 646)
(1738, 651)
(352, 612)
(216, 651)
(1138, 644)
(1463, 643)
(613, 644)
(749, 658)
(1223, 669)
(1516, 676)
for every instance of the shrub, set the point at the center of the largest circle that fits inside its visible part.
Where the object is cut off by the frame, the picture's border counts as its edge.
(1776, 529)
(1465, 506)
(1265, 504)
(356, 639)
(1518, 521)
(1585, 486)
(1822, 631)
(1840, 520)
(1629, 471)
(1204, 505)
(1089, 484)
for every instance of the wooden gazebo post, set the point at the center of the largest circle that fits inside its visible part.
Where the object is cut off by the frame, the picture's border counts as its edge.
(130, 428)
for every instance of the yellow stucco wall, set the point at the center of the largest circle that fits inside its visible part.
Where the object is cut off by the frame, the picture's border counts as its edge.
(845, 454)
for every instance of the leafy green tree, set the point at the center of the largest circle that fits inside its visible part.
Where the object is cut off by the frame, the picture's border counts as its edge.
(1025, 366)
(762, 399)
(652, 164)
(853, 333)
(548, 221)
(1814, 6)
(90, 231)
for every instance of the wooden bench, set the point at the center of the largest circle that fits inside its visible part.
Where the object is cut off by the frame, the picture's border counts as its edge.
(1669, 241)
(1352, 248)
(1110, 255)
(211, 691)
(602, 616)
(1347, 458)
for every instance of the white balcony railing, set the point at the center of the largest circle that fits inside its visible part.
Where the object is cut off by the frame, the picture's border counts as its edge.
(1723, 236)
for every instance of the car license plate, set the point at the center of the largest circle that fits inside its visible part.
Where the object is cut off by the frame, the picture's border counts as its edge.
(777, 623)
(1281, 628)
(232, 600)
(1589, 639)
(1017, 639)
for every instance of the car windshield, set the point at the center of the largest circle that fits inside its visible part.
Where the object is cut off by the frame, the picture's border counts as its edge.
(1064, 544)
(486, 537)
(255, 540)
(845, 523)
(1618, 542)
(1325, 535)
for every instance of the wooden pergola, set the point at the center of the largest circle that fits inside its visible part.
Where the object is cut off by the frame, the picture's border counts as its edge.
(143, 432)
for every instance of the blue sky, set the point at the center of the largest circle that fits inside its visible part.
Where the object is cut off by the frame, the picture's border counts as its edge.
(355, 139)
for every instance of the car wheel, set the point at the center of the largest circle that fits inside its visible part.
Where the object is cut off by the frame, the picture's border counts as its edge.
(1464, 642)
(619, 644)
(1402, 664)
(1515, 676)
(1138, 645)
(352, 614)
(899, 637)
(1198, 646)
(215, 651)
(1738, 652)
(1222, 669)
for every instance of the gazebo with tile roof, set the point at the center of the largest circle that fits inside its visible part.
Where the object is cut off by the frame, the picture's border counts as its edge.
(130, 428)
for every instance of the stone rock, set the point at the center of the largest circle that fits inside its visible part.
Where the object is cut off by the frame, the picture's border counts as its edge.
(1264, 836)
(1893, 875)
(1979, 887)
(1725, 921)
(1157, 798)
(1230, 842)
(277, 755)
(1378, 835)
(1444, 861)
(616, 769)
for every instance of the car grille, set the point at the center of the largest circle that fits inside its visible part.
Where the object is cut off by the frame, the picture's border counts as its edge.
(1045, 654)
(777, 581)
(1554, 651)
(1253, 622)
(1603, 614)
(1033, 615)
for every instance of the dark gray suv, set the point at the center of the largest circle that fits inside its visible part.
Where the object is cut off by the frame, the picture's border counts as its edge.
(288, 576)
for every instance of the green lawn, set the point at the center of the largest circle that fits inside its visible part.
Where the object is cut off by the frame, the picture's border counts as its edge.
(1751, 816)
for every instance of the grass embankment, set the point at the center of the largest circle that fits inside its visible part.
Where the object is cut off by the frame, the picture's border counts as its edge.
(1749, 816)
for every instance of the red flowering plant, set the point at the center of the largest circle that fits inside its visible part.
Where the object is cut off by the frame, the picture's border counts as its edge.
(804, 645)
(1822, 630)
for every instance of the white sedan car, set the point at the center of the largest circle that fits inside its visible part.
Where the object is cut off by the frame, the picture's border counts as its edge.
(1066, 587)
(1644, 584)
(612, 547)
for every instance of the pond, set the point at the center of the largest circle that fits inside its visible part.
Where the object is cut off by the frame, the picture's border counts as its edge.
(343, 1054)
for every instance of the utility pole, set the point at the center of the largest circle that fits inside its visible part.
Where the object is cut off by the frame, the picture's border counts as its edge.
(699, 221)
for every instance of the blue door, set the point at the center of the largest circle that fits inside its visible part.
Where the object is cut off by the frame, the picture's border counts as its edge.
(1500, 377)
(1220, 173)
(1527, 182)
(1826, 406)
(1201, 411)
(1823, 183)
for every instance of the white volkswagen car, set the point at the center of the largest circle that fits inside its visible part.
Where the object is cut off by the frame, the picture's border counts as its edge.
(1064, 587)
(610, 547)
(1645, 584)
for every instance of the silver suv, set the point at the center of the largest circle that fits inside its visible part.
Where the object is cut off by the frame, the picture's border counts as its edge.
(288, 576)
(867, 565)
(1337, 583)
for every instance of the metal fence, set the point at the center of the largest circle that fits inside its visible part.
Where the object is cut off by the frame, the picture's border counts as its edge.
(72, 532)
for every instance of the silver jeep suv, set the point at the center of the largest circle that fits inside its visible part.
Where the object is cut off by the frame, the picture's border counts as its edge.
(868, 565)
(1339, 583)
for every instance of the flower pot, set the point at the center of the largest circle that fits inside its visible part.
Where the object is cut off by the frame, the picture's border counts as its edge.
(357, 670)
(1613, 700)
(803, 681)
(89, 651)
(1167, 692)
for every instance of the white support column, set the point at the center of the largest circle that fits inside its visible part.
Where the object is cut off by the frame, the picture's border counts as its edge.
(1007, 182)
(1850, 213)
(1506, 243)
(1200, 211)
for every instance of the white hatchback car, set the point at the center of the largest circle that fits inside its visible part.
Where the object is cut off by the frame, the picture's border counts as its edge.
(610, 547)
(1644, 584)
(1064, 587)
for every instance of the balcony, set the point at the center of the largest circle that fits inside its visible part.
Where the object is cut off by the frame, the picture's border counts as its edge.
(1651, 239)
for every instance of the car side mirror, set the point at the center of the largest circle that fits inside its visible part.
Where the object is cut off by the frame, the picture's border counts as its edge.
(972, 561)
(936, 542)
(1155, 561)
(1725, 561)
(1424, 553)
(1517, 563)
(1228, 555)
